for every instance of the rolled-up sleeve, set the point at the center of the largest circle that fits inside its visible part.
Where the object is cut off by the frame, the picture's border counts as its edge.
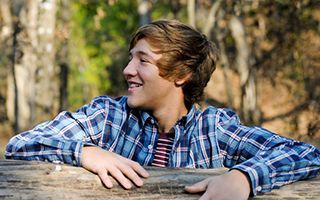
(268, 159)
(62, 139)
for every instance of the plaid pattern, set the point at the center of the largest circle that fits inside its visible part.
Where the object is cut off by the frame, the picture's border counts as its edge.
(209, 139)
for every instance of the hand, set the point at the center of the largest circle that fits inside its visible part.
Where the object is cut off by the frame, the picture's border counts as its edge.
(231, 185)
(105, 163)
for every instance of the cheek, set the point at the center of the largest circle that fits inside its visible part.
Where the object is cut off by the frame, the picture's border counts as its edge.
(149, 74)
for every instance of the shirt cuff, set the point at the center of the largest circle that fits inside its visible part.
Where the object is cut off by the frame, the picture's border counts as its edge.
(67, 151)
(258, 175)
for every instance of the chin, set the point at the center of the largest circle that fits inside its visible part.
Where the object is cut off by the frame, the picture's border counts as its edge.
(132, 103)
(136, 104)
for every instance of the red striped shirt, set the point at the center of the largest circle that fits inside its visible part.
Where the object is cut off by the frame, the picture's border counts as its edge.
(164, 146)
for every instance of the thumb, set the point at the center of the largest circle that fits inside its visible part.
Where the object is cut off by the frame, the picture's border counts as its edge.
(197, 187)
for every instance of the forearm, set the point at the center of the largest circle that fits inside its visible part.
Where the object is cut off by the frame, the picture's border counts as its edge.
(40, 148)
(61, 139)
(282, 165)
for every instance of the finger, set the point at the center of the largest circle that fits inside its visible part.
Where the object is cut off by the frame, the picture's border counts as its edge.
(131, 174)
(197, 187)
(205, 196)
(104, 177)
(139, 169)
(118, 175)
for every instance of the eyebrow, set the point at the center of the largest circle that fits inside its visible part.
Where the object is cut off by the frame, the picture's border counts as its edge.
(142, 53)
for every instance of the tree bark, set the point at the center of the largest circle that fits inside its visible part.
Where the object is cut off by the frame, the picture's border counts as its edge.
(47, 81)
(191, 13)
(6, 29)
(32, 88)
(249, 110)
(14, 28)
(144, 10)
(39, 180)
(220, 35)
(62, 55)
(211, 19)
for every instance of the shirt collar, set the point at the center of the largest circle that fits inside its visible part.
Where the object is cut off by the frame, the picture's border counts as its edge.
(185, 121)
(146, 117)
(190, 117)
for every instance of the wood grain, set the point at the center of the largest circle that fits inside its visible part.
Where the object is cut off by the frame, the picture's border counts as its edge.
(41, 180)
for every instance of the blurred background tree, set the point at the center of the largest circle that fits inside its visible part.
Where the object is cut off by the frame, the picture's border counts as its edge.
(57, 55)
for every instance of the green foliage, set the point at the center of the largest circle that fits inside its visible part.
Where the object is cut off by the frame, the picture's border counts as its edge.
(100, 32)
(167, 9)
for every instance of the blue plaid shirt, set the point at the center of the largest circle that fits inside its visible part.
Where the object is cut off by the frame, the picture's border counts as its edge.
(203, 139)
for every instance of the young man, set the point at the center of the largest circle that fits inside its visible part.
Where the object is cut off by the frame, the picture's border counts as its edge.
(158, 124)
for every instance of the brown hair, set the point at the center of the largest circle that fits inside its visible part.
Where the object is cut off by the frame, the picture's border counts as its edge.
(184, 51)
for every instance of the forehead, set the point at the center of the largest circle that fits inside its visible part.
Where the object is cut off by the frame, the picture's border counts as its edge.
(144, 48)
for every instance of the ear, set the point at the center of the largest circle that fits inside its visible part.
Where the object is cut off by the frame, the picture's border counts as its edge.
(181, 82)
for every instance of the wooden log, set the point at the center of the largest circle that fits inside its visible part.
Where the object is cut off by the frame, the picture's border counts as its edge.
(41, 180)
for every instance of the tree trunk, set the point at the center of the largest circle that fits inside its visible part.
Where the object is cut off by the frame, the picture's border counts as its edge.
(63, 53)
(39, 180)
(208, 26)
(221, 33)
(248, 110)
(5, 35)
(32, 88)
(191, 13)
(14, 92)
(144, 10)
(46, 75)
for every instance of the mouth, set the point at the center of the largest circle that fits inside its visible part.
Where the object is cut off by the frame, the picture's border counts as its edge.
(132, 84)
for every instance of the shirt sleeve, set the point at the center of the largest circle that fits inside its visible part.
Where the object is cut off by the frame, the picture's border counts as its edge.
(268, 159)
(62, 139)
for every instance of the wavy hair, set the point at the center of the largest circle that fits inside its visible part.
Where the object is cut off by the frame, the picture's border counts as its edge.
(185, 52)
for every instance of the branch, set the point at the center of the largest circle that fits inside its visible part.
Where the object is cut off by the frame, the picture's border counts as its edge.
(211, 18)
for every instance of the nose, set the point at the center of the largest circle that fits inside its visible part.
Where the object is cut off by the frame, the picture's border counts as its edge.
(130, 69)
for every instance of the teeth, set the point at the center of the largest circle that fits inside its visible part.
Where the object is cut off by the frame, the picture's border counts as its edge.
(135, 85)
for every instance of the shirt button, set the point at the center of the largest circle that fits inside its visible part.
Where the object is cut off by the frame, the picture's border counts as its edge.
(150, 146)
(259, 188)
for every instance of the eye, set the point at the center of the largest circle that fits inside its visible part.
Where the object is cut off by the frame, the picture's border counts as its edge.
(143, 60)
(130, 57)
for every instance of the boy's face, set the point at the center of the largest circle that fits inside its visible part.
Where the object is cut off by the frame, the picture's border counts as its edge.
(146, 89)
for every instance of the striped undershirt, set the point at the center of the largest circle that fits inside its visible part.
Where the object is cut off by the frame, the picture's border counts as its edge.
(163, 149)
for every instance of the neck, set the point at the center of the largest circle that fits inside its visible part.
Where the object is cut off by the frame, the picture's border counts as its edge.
(169, 115)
